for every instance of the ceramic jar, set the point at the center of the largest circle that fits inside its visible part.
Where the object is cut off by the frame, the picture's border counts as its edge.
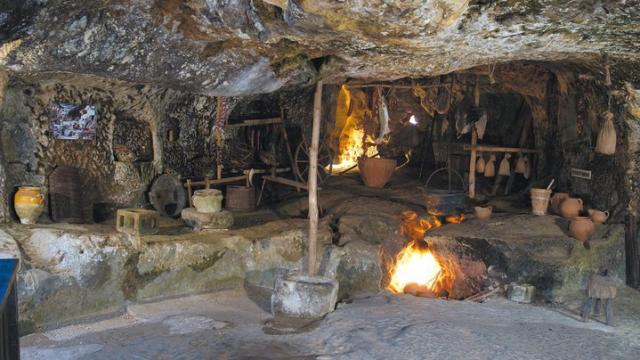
(597, 216)
(483, 212)
(207, 200)
(29, 204)
(556, 200)
(570, 207)
(581, 228)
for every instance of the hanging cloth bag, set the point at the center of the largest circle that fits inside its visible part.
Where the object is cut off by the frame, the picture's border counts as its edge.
(520, 165)
(527, 168)
(606, 142)
(480, 164)
(505, 167)
(490, 167)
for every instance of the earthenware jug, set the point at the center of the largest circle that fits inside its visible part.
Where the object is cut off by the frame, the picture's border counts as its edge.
(556, 200)
(581, 228)
(570, 207)
(483, 212)
(29, 204)
(597, 216)
(207, 200)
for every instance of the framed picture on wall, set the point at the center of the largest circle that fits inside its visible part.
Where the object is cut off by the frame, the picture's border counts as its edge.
(72, 122)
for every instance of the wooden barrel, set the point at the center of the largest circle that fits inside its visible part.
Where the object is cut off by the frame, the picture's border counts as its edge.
(240, 198)
(540, 201)
(65, 197)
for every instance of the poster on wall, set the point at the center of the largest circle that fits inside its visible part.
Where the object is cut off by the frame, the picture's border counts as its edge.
(72, 122)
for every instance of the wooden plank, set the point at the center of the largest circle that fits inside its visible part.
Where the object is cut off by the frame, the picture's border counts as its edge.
(256, 122)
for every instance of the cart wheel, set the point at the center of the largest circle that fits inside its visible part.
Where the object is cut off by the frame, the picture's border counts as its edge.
(301, 166)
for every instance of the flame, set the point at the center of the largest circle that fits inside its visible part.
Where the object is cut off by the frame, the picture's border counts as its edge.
(417, 264)
(351, 111)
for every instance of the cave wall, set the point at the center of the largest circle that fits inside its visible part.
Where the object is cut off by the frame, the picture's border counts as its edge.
(142, 131)
(133, 118)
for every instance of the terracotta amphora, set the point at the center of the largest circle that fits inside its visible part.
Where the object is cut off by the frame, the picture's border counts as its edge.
(570, 207)
(597, 216)
(556, 200)
(581, 228)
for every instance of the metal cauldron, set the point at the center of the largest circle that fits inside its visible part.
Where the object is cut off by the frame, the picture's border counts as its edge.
(445, 202)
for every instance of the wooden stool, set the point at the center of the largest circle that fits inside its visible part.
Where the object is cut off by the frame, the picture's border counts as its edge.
(137, 221)
(600, 288)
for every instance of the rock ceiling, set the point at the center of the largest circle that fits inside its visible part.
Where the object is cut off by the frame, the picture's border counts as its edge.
(226, 47)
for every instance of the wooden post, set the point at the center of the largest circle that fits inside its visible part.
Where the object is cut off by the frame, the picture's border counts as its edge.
(189, 192)
(312, 181)
(472, 164)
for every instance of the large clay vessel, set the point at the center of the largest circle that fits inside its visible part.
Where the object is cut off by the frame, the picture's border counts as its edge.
(375, 172)
(29, 204)
(581, 228)
(597, 216)
(556, 200)
(207, 201)
(570, 207)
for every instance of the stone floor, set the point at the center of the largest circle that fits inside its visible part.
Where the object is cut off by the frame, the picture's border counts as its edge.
(228, 325)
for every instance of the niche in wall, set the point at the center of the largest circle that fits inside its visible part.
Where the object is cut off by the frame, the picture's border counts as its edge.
(132, 140)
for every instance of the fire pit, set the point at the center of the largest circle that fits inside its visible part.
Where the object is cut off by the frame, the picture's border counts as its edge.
(430, 269)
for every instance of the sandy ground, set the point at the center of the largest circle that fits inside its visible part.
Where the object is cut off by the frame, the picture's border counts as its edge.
(229, 325)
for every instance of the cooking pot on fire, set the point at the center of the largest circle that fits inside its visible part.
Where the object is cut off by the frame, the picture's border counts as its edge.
(443, 202)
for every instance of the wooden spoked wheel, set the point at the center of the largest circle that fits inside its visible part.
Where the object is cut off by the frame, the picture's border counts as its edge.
(301, 165)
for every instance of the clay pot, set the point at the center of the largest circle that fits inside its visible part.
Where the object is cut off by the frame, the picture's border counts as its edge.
(581, 228)
(375, 172)
(483, 212)
(29, 204)
(570, 207)
(556, 200)
(597, 216)
(207, 201)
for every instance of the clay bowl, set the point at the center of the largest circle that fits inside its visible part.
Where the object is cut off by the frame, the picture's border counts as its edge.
(483, 212)
(597, 216)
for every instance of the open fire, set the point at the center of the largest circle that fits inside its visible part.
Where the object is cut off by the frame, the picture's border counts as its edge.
(418, 269)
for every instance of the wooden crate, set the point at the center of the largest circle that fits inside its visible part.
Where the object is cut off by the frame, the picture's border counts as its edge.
(137, 221)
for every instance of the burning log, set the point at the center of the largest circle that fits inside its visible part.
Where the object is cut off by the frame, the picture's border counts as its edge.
(419, 290)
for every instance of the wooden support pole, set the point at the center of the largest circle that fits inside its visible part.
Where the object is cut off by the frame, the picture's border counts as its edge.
(472, 164)
(312, 181)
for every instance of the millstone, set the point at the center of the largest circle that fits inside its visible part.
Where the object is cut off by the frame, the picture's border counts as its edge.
(303, 296)
(200, 221)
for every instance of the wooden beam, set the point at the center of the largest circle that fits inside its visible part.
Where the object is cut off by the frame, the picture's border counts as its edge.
(256, 122)
(501, 149)
(208, 182)
(313, 179)
(285, 181)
